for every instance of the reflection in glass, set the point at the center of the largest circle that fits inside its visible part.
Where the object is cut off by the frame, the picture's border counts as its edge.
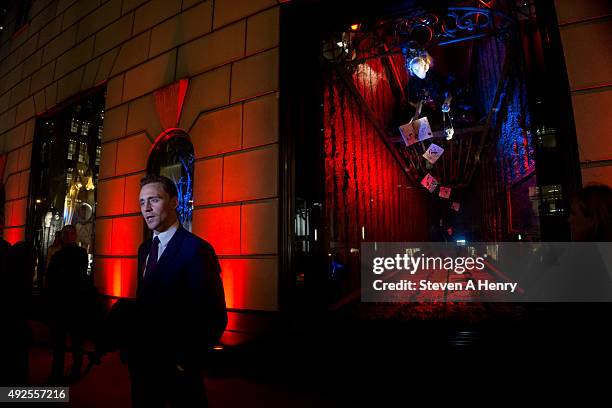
(65, 165)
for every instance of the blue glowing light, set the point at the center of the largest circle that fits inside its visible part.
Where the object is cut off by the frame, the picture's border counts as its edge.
(184, 185)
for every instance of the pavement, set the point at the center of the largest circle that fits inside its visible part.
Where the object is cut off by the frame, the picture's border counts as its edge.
(385, 356)
(107, 385)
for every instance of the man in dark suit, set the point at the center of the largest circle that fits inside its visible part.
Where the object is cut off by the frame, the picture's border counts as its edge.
(180, 303)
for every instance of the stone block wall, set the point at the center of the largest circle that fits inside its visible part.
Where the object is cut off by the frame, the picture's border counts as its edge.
(586, 29)
(228, 50)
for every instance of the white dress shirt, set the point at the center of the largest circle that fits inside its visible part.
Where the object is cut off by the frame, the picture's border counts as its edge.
(164, 239)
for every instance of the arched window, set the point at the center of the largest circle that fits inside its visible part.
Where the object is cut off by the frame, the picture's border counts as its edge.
(172, 156)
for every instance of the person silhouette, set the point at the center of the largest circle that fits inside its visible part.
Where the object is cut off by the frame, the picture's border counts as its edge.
(591, 214)
(577, 272)
(67, 282)
(17, 289)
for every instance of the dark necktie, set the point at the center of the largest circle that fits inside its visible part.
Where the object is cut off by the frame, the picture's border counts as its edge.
(152, 261)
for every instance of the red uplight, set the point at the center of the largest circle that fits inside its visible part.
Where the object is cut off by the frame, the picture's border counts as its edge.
(14, 235)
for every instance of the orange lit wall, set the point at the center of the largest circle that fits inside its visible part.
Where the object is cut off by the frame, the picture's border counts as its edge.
(230, 111)
(119, 225)
(236, 196)
(590, 78)
(226, 54)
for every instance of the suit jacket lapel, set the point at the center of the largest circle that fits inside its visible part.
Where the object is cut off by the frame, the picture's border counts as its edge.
(173, 247)
(142, 258)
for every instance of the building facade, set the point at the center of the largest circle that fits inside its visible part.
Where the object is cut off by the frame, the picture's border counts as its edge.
(207, 73)
(207, 68)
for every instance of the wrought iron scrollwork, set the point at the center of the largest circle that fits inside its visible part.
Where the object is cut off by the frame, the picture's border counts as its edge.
(417, 30)
(467, 23)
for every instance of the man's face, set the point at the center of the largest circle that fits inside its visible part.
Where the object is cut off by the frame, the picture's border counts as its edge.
(157, 208)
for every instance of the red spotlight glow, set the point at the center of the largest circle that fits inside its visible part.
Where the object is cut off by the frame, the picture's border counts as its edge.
(14, 235)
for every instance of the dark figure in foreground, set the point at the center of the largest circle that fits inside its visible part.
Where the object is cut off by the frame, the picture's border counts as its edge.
(578, 272)
(4, 245)
(180, 305)
(67, 282)
(591, 214)
(17, 272)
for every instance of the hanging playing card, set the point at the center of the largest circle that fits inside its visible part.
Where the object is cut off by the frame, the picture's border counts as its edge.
(416, 131)
(444, 192)
(433, 153)
(429, 182)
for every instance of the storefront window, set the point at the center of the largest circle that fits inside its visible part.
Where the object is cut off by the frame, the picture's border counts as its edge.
(65, 166)
(407, 123)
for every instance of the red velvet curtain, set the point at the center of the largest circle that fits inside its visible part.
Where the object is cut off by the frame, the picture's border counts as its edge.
(368, 197)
